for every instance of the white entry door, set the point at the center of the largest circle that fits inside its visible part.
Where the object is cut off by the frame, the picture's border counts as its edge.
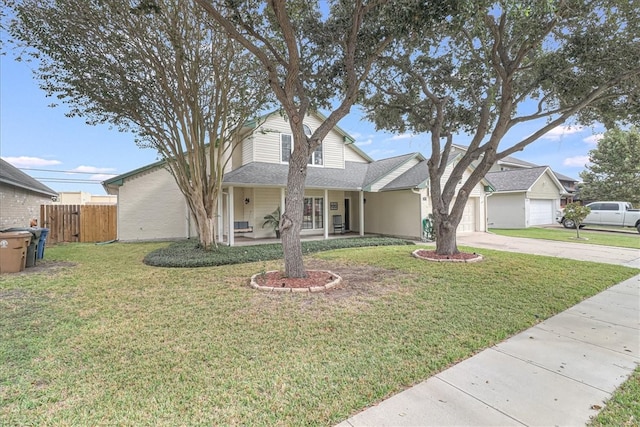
(468, 221)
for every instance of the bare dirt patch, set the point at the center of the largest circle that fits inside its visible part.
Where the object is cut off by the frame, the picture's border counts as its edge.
(360, 285)
(459, 257)
(43, 266)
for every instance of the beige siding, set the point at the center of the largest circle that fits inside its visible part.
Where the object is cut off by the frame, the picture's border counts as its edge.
(544, 188)
(506, 210)
(151, 207)
(351, 155)
(393, 175)
(265, 146)
(248, 150)
(18, 206)
(393, 213)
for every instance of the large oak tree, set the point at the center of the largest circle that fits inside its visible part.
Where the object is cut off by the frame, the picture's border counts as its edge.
(317, 54)
(161, 69)
(508, 64)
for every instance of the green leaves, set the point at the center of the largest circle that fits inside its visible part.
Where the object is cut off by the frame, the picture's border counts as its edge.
(613, 172)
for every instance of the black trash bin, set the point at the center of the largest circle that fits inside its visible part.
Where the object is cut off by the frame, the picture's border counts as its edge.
(32, 249)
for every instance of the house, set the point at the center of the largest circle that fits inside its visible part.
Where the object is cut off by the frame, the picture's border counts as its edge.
(84, 198)
(523, 197)
(343, 186)
(20, 197)
(509, 165)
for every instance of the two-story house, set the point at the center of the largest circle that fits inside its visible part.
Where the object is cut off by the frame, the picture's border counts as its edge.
(344, 185)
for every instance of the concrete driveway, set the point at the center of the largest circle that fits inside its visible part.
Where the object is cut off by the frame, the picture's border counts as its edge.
(577, 251)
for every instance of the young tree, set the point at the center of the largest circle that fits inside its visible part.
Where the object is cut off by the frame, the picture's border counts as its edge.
(533, 64)
(576, 213)
(614, 169)
(161, 69)
(316, 57)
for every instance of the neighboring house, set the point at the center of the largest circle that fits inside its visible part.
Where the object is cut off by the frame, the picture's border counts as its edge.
(523, 197)
(511, 164)
(344, 185)
(84, 198)
(20, 197)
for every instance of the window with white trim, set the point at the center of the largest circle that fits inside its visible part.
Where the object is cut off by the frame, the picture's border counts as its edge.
(286, 146)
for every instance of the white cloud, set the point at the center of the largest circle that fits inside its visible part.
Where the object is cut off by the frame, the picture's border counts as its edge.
(560, 131)
(29, 162)
(363, 143)
(593, 139)
(92, 169)
(577, 161)
(101, 177)
(401, 136)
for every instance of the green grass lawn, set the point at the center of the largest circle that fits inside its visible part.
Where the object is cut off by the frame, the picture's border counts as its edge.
(623, 240)
(623, 409)
(99, 338)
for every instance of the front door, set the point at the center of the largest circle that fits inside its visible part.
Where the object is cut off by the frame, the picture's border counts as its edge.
(346, 215)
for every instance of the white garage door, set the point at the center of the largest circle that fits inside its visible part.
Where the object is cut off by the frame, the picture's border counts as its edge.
(541, 212)
(468, 221)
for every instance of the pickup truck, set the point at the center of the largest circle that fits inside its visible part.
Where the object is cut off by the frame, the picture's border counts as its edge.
(617, 214)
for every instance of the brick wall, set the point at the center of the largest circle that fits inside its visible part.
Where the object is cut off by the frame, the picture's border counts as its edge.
(18, 206)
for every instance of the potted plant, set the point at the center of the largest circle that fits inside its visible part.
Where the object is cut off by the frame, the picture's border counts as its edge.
(273, 221)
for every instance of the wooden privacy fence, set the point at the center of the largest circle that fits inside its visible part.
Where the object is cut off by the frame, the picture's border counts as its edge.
(79, 223)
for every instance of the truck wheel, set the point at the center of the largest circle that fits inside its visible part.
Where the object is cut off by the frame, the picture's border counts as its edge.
(638, 227)
(568, 223)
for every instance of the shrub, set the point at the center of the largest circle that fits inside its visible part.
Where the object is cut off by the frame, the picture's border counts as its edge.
(189, 254)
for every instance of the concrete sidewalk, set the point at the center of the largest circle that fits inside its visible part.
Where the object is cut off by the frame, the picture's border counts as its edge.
(559, 372)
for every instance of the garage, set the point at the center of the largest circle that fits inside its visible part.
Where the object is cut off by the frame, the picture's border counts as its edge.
(541, 212)
(468, 221)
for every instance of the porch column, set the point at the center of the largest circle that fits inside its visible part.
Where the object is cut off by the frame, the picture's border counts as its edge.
(282, 201)
(361, 213)
(220, 213)
(231, 219)
(326, 214)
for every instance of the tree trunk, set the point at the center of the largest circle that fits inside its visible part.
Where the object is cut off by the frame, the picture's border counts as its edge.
(291, 221)
(445, 231)
(203, 217)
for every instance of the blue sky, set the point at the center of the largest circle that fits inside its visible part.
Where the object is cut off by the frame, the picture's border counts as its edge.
(35, 136)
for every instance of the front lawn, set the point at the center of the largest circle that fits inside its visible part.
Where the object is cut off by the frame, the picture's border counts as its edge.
(622, 240)
(99, 338)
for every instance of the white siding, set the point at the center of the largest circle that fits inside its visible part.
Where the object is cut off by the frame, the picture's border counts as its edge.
(151, 207)
(506, 210)
(393, 213)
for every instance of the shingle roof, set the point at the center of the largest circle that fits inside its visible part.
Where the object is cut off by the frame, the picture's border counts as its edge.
(380, 168)
(269, 174)
(415, 177)
(11, 175)
(515, 180)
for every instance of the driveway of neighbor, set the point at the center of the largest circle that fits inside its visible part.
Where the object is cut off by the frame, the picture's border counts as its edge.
(559, 372)
(578, 251)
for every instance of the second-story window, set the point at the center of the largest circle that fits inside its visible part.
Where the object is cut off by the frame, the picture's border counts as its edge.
(285, 147)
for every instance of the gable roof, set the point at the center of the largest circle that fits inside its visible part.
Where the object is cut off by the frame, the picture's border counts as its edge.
(346, 138)
(518, 180)
(381, 168)
(14, 177)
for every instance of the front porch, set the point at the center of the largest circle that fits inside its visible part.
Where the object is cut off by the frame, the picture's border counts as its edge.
(248, 241)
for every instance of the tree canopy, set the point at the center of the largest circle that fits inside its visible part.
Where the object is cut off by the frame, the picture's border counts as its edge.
(507, 65)
(613, 172)
(161, 69)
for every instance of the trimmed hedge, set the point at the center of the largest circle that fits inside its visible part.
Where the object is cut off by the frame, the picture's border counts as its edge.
(189, 253)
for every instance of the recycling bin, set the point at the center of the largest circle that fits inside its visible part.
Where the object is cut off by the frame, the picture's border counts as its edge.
(13, 250)
(42, 242)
